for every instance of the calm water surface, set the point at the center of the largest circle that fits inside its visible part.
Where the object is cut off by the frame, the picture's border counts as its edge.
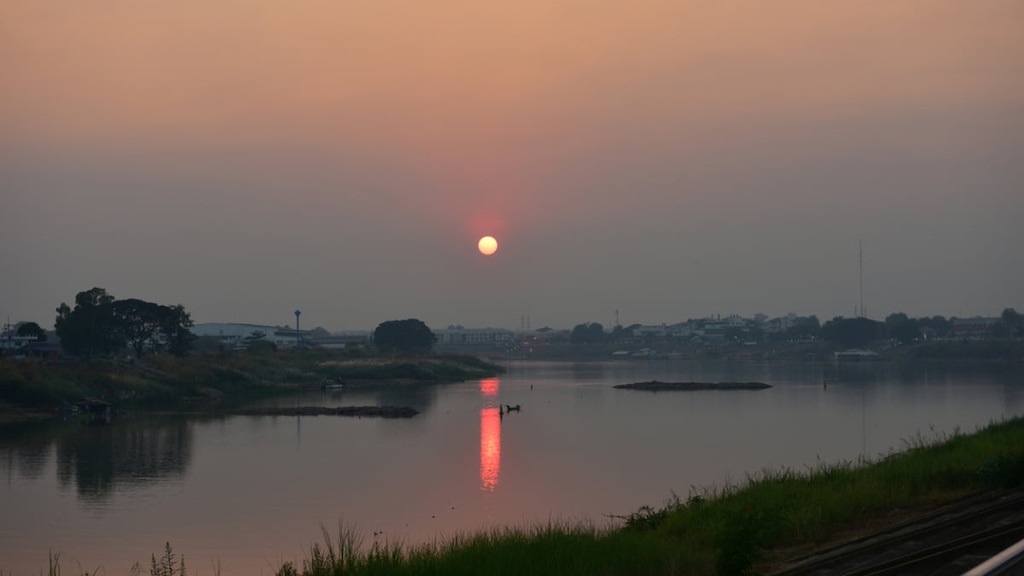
(248, 493)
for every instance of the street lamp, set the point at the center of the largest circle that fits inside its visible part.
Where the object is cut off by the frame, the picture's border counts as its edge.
(298, 339)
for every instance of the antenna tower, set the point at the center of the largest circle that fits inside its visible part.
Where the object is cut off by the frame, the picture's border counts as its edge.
(860, 246)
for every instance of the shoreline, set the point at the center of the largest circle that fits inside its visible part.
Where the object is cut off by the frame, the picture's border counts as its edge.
(350, 411)
(31, 390)
(658, 386)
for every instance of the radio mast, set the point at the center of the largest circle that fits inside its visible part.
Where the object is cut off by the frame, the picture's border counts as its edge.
(860, 246)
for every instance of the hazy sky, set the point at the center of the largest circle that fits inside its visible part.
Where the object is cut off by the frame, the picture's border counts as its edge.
(669, 159)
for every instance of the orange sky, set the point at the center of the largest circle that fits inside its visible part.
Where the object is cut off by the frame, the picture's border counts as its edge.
(521, 117)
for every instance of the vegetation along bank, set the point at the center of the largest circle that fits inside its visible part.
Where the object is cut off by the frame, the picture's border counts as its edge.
(749, 528)
(215, 380)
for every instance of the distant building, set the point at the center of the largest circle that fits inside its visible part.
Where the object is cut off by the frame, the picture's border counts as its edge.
(234, 334)
(976, 328)
(650, 331)
(342, 339)
(459, 336)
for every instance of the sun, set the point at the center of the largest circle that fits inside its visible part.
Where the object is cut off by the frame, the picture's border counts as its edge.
(487, 245)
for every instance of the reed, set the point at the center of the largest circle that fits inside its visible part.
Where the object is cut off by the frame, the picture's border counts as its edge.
(740, 528)
(769, 517)
(163, 381)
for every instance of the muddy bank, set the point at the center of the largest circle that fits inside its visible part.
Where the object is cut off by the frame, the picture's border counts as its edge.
(360, 411)
(656, 386)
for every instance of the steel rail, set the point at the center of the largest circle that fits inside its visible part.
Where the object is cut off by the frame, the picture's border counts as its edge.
(933, 553)
(906, 531)
(1000, 563)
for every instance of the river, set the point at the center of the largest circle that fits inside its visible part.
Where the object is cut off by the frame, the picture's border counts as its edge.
(242, 494)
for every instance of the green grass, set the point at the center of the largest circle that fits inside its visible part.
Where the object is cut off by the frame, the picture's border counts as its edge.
(733, 529)
(550, 549)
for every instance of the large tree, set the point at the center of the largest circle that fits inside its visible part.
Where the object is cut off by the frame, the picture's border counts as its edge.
(174, 325)
(900, 327)
(1011, 324)
(148, 325)
(937, 326)
(99, 325)
(139, 321)
(851, 332)
(592, 333)
(88, 329)
(404, 336)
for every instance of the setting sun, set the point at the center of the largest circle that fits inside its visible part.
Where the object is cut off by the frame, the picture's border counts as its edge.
(487, 245)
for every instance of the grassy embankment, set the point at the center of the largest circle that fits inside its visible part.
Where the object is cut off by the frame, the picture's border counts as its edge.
(160, 382)
(773, 516)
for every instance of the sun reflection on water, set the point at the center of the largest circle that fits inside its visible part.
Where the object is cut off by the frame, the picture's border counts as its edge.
(489, 386)
(490, 448)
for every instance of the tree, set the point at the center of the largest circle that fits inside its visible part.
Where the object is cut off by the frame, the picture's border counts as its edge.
(257, 342)
(592, 333)
(32, 330)
(936, 326)
(138, 321)
(1013, 322)
(404, 336)
(146, 324)
(619, 333)
(174, 325)
(90, 328)
(851, 332)
(902, 328)
(99, 325)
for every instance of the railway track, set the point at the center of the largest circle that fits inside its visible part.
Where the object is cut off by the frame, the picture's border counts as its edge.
(948, 541)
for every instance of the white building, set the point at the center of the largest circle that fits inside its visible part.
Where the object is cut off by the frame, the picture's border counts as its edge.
(235, 334)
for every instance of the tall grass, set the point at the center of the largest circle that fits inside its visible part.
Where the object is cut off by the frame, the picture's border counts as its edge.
(164, 380)
(733, 529)
(549, 549)
(729, 529)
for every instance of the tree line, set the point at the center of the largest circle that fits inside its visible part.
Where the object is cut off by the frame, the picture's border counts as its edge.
(841, 331)
(100, 325)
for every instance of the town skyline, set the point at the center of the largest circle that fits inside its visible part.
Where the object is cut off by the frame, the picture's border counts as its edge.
(525, 322)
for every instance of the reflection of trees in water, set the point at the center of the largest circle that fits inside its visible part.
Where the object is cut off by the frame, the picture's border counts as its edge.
(922, 372)
(585, 370)
(31, 460)
(25, 448)
(100, 458)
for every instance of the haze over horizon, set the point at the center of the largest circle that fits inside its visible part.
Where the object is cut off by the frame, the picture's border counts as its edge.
(668, 159)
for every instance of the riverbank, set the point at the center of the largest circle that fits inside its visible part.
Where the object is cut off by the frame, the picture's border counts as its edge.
(351, 411)
(30, 389)
(658, 386)
(753, 527)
